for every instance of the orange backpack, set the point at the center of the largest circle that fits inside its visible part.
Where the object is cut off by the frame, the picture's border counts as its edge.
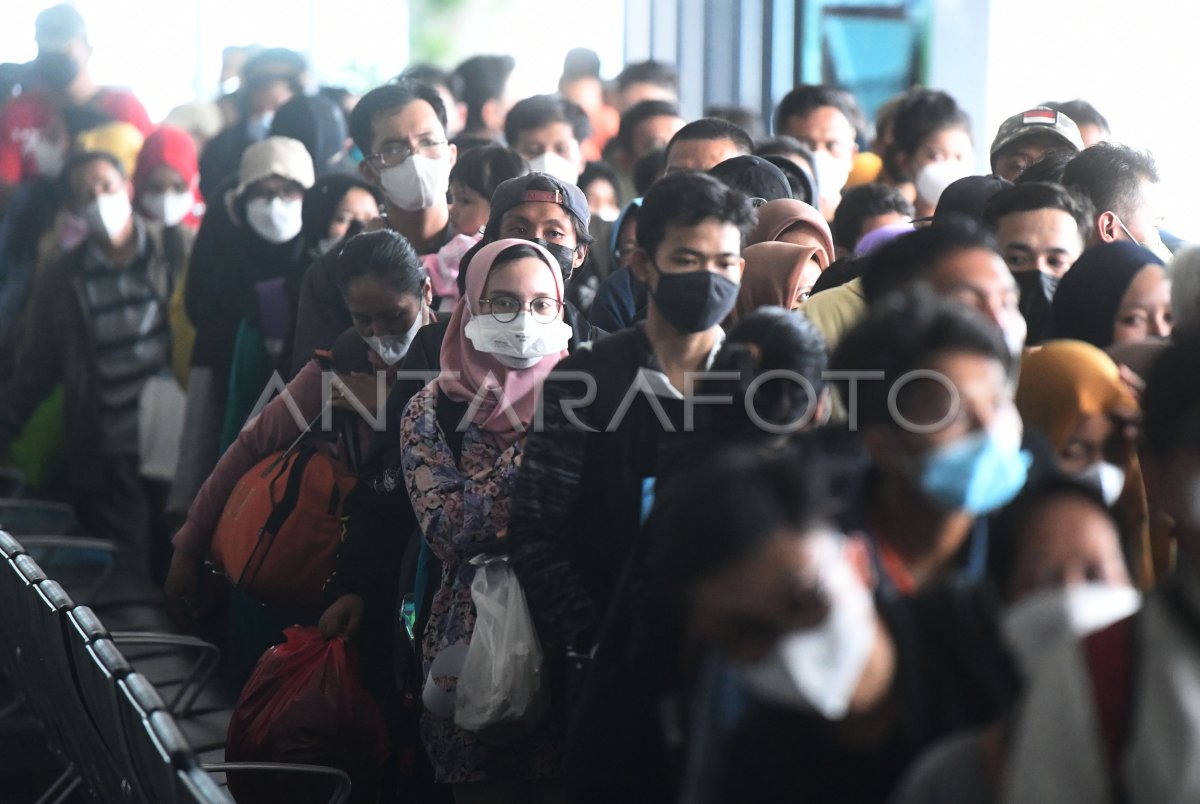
(279, 535)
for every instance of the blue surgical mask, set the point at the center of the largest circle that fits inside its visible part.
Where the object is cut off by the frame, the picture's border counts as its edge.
(977, 473)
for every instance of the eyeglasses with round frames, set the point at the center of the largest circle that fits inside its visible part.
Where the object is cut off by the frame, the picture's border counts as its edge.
(505, 309)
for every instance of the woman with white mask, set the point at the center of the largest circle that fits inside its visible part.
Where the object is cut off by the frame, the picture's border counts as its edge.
(1074, 395)
(386, 290)
(462, 440)
(167, 179)
(931, 145)
(1057, 564)
(1113, 717)
(741, 590)
(246, 267)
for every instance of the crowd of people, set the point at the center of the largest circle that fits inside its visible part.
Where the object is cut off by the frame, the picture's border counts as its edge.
(824, 468)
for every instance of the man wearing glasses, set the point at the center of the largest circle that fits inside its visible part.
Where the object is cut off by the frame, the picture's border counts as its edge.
(401, 129)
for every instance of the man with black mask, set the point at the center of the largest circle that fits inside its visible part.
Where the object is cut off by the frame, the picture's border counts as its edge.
(1040, 231)
(588, 465)
(60, 80)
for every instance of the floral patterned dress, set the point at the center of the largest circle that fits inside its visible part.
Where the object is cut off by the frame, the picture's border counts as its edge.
(462, 508)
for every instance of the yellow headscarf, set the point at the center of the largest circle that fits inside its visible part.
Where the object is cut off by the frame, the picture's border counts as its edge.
(1066, 381)
(122, 140)
(1062, 383)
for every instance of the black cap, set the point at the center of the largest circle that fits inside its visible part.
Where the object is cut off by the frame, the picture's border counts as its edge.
(968, 196)
(535, 187)
(753, 176)
(804, 186)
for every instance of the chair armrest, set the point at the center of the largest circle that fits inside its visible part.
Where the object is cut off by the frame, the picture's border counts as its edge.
(340, 793)
(208, 656)
(52, 544)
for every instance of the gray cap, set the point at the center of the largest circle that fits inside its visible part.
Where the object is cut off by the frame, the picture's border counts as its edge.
(1041, 121)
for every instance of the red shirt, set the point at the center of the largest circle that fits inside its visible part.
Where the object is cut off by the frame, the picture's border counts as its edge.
(27, 116)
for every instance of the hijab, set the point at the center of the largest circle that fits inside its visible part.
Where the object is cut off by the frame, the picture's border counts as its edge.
(120, 139)
(772, 276)
(468, 374)
(322, 200)
(318, 123)
(776, 217)
(1089, 295)
(176, 149)
(1066, 381)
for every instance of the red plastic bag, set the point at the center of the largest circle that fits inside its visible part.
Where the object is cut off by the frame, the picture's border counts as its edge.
(304, 703)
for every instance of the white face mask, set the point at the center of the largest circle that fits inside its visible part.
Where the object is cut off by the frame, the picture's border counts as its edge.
(1155, 245)
(107, 215)
(1015, 331)
(392, 348)
(416, 183)
(48, 157)
(558, 167)
(1108, 478)
(819, 668)
(1048, 616)
(277, 220)
(832, 174)
(520, 343)
(170, 207)
(933, 179)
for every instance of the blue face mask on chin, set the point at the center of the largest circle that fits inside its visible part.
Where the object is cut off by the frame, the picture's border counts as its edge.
(977, 473)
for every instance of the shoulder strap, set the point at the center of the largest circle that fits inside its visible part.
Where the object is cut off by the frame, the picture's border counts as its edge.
(279, 513)
(1109, 654)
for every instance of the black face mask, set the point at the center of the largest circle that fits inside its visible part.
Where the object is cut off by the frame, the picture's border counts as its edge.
(563, 254)
(56, 70)
(694, 301)
(1037, 292)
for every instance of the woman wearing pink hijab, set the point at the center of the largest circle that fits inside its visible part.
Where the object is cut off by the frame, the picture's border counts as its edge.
(461, 444)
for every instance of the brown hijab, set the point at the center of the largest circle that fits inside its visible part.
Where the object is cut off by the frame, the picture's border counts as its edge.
(776, 217)
(773, 275)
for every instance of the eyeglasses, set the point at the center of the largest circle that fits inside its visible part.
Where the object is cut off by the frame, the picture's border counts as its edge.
(397, 153)
(504, 309)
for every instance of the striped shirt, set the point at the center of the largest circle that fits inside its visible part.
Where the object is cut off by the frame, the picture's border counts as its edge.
(132, 342)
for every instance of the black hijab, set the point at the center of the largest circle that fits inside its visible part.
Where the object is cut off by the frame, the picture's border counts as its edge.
(1089, 295)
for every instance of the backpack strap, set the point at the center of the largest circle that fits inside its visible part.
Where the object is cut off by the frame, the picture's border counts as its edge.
(1109, 655)
(279, 513)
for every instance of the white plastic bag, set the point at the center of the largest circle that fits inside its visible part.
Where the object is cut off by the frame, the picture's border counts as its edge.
(502, 691)
(160, 426)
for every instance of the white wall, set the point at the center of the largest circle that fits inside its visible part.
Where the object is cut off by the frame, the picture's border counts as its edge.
(1134, 61)
(169, 51)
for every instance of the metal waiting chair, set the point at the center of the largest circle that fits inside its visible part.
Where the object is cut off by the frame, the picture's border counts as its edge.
(161, 754)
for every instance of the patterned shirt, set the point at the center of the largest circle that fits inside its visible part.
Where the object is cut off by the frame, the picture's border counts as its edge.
(132, 341)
